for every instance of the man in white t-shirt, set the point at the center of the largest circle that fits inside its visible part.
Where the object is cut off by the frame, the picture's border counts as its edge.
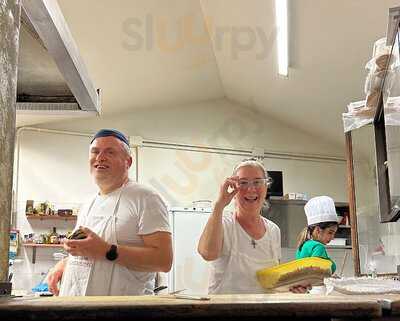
(241, 243)
(126, 229)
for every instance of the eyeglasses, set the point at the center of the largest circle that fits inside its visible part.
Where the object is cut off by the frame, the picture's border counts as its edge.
(257, 183)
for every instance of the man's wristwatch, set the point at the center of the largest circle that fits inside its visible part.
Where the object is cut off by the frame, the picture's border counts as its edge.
(112, 253)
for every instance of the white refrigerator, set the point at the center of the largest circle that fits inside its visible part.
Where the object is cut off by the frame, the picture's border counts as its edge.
(189, 270)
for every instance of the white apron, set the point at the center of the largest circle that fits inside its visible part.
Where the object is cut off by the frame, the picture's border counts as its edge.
(84, 276)
(240, 273)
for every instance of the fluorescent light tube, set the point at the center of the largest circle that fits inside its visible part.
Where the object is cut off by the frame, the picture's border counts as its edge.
(281, 12)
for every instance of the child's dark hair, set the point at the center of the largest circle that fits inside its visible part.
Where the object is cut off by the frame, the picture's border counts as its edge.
(306, 233)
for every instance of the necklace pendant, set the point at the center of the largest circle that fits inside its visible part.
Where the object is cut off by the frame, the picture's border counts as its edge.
(253, 242)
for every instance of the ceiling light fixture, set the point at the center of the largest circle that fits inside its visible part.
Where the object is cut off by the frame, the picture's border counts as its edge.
(281, 13)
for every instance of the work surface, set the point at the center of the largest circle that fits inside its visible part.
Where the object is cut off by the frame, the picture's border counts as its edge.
(230, 307)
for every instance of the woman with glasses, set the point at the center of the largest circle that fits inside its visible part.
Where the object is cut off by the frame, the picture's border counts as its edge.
(240, 243)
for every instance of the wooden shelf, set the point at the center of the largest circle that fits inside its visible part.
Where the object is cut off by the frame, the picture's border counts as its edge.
(41, 245)
(51, 217)
(287, 202)
(34, 246)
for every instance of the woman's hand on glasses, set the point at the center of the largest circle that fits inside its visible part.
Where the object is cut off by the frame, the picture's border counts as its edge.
(228, 190)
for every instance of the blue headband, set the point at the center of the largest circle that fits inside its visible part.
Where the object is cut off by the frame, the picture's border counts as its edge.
(110, 132)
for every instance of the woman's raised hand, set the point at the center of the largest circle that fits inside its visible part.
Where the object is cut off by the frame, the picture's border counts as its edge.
(227, 191)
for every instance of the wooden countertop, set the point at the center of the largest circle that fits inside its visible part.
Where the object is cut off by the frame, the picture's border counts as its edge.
(286, 306)
(390, 302)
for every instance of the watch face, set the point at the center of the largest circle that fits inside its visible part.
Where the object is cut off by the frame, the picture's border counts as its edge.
(112, 253)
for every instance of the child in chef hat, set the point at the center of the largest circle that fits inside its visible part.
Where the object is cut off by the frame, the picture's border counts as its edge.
(322, 224)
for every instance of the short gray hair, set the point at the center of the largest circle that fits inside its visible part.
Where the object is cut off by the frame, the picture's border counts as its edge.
(254, 162)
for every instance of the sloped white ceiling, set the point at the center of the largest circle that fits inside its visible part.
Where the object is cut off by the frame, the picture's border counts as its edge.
(330, 42)
(155, 53)
(138, 52)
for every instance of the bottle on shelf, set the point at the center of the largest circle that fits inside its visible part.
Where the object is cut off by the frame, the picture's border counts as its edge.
(54, 238)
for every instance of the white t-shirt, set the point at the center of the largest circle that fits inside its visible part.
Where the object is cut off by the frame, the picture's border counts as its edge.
(141, 211)
(242, 256)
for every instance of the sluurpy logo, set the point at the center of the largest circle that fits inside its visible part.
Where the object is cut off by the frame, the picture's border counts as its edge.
(167, 36)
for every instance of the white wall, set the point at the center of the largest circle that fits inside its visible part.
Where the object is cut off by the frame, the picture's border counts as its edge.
(216, 123)
(224, 124)
(185, 176)
(45, 173)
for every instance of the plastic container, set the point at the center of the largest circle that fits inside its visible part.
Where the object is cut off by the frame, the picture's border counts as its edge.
(358, 115)
(380, 63)
(380, 47)
(374, 80)
(355, 106)
(363, 109)
(372, 99)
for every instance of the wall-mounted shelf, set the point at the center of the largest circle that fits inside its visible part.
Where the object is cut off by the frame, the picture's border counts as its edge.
(287, 201)
(303, 202)
(289, 215)
(42, 245)
(34, 246)
(36, 217)
(51, 217)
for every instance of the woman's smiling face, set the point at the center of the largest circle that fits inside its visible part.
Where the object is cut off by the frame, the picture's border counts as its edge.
(251, 193)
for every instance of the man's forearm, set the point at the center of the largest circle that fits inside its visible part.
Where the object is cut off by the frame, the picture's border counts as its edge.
(55, 274)
(61, 264)
(144, 259)
(154, 256)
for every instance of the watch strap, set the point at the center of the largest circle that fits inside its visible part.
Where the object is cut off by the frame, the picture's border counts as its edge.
(112, 253)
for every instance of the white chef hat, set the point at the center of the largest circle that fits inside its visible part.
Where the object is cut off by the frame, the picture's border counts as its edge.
(320, 209)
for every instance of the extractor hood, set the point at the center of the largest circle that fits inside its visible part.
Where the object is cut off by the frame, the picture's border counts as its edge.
(52, 77)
